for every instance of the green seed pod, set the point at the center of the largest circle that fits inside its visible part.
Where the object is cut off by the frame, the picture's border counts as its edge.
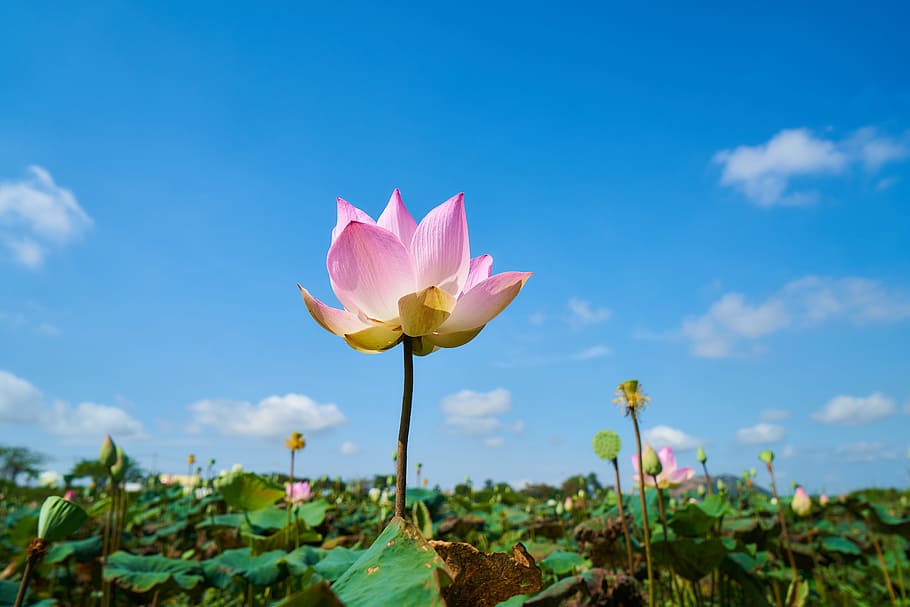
(108, 454)
(650, 462)
(766, 456)
(59, 519)
(607, 444)
(700, 454)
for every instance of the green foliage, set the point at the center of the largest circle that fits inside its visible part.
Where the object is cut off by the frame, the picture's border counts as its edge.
(145, 573)
(248, 492)
(16, 461)
(59, 519)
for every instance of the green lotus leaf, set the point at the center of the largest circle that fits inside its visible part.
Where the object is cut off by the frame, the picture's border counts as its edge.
(248, 492)
(695, 519)
(607, 444)
(693, 559)
(561, 563)
(82, 551)
(336, 562)
(259, 570)
(59, 519)
(741, 567)
(313, 512)
(317, 595)
(420, 516)
(151, 572)
(841, 545)
(400, 568)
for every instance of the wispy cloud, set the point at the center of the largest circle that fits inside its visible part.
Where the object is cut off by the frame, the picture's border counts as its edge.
(273, 416)
(15, 320)
(856, 410)
(761, 434)
(37, 215)
(807, 302)
(864, 451)
(583, 313)
(764, 172)
(471, 413)
(597, 351)
(667, 436)
(22, 403)
(349, 448)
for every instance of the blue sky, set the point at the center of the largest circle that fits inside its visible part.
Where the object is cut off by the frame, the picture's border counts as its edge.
(712, 200)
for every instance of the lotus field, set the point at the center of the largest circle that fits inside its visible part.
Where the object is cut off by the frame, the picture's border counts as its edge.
(661, 537)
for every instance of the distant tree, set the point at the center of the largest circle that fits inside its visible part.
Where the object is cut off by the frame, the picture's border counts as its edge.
(95, 470)
(15, 461)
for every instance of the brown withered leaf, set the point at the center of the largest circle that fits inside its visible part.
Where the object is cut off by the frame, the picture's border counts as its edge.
(487, 579)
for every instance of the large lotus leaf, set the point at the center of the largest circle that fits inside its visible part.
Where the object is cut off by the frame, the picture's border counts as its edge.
(82, 550)
(259, 570)
(400, 569)
(248, 492)
(693, 559)
(841, 545)
(8, 591)
(886, 523)
(696, 519)
(633, 507)
(144, 573)
(741, 567)
(313, 513)
(561, 563)
(421, 518)
(302, 559)
(317, 595)
(164, 532)
(336, 562)
(284, 539)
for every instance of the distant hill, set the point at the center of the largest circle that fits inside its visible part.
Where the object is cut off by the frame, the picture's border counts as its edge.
(729, 480)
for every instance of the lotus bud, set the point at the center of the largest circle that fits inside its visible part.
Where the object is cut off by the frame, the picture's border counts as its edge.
(569, 505)
(59, 518)
(108, 454)
(700, 454)
(559, 509)
(753, 472)
(701, 491)
(802, 503)
(119, 467)
(823, 500)
(650, 462)
(721, 486)
(374, 494)
(390, 480)
(766, 456)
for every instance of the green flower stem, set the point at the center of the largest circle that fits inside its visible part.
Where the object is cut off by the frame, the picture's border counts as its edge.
(708, 486)
(898, 558)
(785, 535)
(404, 427)
(663, 524)
(23, 585)
(36, 551)
(644, 510)
(622, 517)
(881, 562)
(817, 571)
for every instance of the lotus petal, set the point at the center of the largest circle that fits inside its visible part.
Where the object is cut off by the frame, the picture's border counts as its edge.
(346, 214)
(440, 247)
(480, 269)
(481, 304)
(374, 339)
(331, 319)
(396, 219)
(667, 459)
(422, 312)
(370, 270)
(452, 340)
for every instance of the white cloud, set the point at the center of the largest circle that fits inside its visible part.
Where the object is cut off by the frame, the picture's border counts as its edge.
(20, 401)
(764, 172)
(598, 351)
(471, 413)
(476, 404)
(349, 448)
(36, 214)
(866, 452)
(807, 302)
(773, 415)
(272, 417)
(666, 436)
(761, 434)
(583, 314)
(855, 410)
(23, 403)
(90, 421)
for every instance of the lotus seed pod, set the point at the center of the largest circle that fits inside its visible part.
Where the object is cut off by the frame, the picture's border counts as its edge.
(766, 456)
(119, 467)
(629, 388)
(108, 454)
(650, 462)
(607, 444)
(59, 518)
(700, 454)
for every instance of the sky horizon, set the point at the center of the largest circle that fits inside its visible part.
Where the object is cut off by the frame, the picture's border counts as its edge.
(712, 200)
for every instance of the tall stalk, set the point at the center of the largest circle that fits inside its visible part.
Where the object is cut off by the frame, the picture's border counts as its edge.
(785, 535)
(404, 428)
(644, 509)
(622, 517)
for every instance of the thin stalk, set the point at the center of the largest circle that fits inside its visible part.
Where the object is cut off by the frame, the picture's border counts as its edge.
(644, 510)
(784, 533)
(669, 551)
(819, 577)
(708, 486)
(622, 517)
(900, 571)
(881, 562)
(404, 428)
(36, 551)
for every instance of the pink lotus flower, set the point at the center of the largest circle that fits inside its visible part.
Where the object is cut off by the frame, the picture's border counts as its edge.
(396, 278)
(670, 476)
(70, 495)
(298, 492)
(801, 503)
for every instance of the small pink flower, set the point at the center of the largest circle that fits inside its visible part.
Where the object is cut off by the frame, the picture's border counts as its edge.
(298, 492)
(801, 503)
(397, 278)
(70, 495)
(823, 499)
(670, 476)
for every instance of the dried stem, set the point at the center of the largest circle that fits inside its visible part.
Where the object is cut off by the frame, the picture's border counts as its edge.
(644, 510)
